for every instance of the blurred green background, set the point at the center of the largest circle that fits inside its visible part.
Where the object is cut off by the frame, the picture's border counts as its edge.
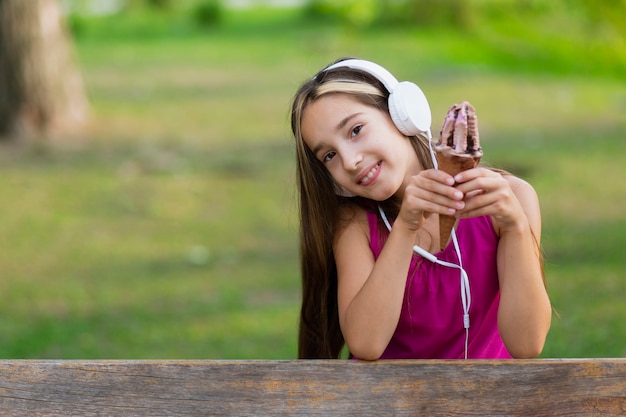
(169, 228)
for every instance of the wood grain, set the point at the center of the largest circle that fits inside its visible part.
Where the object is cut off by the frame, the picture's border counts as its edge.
(335, 387)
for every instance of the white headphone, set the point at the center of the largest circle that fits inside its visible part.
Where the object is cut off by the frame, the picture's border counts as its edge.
(408, 105)
(411, 114)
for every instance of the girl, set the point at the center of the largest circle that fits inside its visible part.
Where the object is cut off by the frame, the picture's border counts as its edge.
(363, 283)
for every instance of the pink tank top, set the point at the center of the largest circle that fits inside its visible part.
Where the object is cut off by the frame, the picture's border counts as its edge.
(431, 321)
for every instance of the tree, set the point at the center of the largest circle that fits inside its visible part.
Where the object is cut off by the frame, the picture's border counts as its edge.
(41, 88)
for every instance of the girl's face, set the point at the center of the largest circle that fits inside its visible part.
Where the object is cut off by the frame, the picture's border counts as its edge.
(360, 146)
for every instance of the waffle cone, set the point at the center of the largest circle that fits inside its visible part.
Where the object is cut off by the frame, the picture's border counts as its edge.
(446, 223)
(452, 164)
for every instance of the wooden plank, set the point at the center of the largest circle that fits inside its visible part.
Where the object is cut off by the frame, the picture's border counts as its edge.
(336, 387)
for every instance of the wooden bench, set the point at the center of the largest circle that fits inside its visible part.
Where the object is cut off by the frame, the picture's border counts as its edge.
(322, 387)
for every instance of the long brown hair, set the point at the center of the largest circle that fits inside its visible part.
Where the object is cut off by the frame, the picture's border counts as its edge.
(319, 332)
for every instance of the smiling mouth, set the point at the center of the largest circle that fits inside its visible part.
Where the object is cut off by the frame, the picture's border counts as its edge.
(370, 174)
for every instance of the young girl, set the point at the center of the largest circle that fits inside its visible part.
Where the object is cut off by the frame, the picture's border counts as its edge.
(363, 283)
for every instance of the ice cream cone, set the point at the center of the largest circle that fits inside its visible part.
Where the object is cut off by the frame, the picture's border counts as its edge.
(452, 164)
(458, 149)
(446, 223)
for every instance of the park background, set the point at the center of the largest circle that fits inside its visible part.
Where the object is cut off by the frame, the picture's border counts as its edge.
(168, 227)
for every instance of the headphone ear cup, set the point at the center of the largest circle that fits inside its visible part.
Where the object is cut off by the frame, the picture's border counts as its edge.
(409, 109)
(396, 111)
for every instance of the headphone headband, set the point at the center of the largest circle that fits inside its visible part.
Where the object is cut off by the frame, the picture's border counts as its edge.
(384, 76)
(408, 105)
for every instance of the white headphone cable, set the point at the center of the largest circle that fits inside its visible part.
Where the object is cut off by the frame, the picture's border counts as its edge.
(466, 295)
(432, 151)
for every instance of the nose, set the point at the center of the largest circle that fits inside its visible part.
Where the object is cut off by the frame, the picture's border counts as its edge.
(351, 158)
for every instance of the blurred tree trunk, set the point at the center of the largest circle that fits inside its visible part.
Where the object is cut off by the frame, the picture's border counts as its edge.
(41, 89)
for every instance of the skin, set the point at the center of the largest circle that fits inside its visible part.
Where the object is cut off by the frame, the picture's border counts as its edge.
(366, 154)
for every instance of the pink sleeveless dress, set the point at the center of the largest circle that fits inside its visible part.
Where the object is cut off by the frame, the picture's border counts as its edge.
(431, 321)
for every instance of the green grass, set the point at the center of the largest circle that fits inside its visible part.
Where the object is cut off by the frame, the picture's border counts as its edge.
(149, 253)
(169, 229)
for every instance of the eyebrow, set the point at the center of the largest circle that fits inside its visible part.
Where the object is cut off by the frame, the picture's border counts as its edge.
(345, 120)
(342, 123)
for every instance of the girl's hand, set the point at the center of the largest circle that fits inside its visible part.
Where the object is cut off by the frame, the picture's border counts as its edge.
(431, 191)
(488, 193)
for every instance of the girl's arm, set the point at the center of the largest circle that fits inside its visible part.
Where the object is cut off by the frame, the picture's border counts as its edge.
(524, 314)
(370, 292)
